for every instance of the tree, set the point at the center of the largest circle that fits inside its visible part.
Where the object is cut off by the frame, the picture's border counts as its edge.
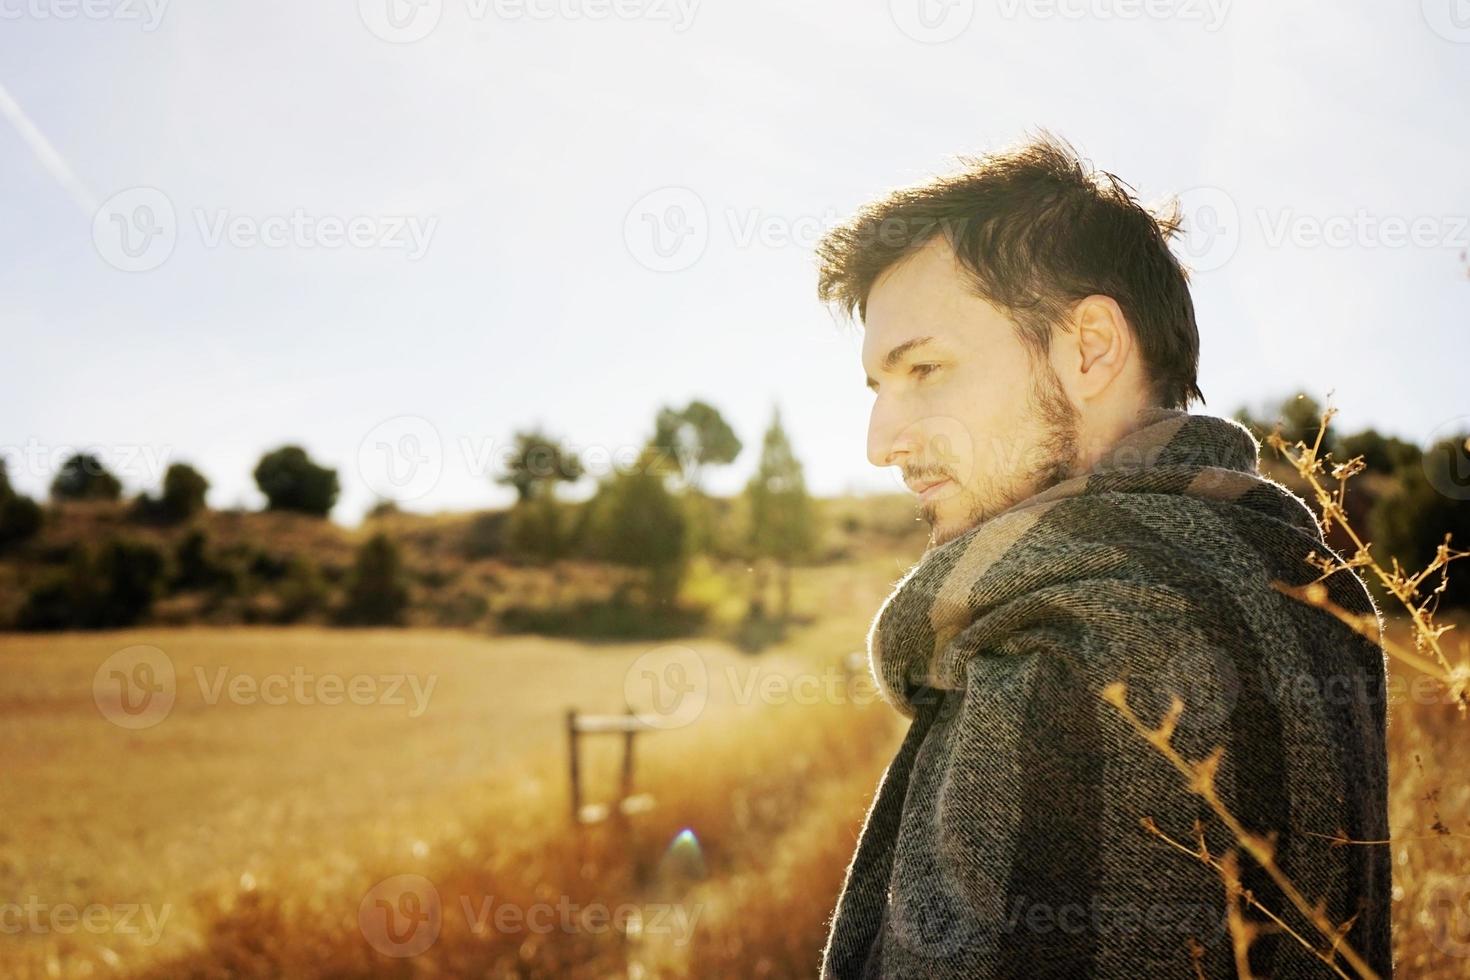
(537, 460)
(782, 519)
(1299, 416)
(83, 477)
(1432, 498)
(685, 443)
(695, 438)
(184, 488)
(1381, 454)
(291, 481)
(534, 468)
(376, 591)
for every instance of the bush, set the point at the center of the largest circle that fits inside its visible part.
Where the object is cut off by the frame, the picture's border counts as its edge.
(195, 568)
(83, 477)
(486, 536)
(376, 593)
(291, 481)
(20, 517)
(638, 523)
(302, 592)
(112, 587)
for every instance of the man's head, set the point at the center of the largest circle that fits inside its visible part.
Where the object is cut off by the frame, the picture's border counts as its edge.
(1017, 315)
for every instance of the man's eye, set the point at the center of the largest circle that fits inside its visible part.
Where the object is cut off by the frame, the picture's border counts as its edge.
(924, 370)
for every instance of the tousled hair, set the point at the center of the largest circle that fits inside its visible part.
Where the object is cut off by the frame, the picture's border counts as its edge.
(1035, 230)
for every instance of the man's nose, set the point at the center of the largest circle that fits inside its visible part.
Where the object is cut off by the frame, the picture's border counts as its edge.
(891, 437)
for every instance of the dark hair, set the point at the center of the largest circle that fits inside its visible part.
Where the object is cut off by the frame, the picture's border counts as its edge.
(1036, 229)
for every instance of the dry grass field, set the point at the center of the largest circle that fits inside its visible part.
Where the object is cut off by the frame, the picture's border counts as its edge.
(240, 832)
(240, 837)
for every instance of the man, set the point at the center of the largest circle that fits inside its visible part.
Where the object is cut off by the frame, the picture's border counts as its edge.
(1031, 345)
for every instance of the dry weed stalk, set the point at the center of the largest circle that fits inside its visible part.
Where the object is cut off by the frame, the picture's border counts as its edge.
(1201, 779)
(1309, 462)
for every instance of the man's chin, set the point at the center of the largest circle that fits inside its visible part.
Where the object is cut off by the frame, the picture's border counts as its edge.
(942, 530)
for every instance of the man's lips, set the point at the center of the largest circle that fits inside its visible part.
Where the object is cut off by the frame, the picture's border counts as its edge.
(926, 488)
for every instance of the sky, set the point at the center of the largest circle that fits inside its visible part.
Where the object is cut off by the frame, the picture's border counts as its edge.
(395, 232)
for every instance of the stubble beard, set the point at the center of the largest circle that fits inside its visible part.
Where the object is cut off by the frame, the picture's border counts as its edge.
(1054, 459)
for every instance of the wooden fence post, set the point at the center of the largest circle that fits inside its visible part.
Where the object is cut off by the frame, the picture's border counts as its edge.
(573, 766)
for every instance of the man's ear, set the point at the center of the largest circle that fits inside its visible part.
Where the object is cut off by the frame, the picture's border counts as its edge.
(1097, 347)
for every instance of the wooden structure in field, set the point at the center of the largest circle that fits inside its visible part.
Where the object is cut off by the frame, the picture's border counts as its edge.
(627, 725)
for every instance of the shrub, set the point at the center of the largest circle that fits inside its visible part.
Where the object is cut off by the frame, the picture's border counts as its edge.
(638, 523)
(302, 591)
(20, 517)
(376, 593)
(114, 586)
(196, 568)
(485, 537)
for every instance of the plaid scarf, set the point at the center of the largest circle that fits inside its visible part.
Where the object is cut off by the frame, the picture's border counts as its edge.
(1005, 839)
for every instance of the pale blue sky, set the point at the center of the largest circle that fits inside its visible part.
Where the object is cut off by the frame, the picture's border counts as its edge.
(522, 140)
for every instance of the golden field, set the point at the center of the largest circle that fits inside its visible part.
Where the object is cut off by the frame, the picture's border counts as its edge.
(251, 838)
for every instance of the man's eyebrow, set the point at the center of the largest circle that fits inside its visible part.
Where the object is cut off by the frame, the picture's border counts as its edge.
(891, 359)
